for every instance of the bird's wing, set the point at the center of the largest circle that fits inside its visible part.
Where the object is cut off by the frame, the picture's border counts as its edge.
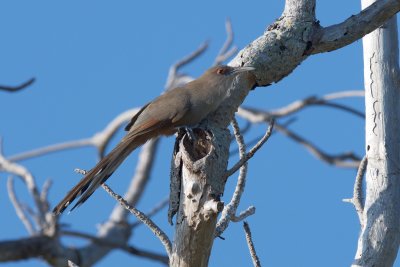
(153, 125)
(134, 118)
(164, 111)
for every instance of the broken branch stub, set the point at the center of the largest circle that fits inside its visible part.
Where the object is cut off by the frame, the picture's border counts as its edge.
(199, 165)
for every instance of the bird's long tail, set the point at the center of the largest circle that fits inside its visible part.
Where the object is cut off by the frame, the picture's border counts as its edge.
(98, 175)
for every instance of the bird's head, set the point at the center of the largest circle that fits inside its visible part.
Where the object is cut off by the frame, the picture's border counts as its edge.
(222, 71)
(224, 75)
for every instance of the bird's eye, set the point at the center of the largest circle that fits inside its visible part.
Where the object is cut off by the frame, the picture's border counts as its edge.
(221, 71)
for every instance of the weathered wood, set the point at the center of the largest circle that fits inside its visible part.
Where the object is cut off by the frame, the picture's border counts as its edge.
(380, 236)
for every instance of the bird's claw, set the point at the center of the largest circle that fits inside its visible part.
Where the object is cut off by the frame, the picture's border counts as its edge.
(190, 134)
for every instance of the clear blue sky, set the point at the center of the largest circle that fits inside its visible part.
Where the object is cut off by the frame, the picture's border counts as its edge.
(95, 59)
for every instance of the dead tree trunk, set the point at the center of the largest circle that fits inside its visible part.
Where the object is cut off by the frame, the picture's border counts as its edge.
(380, 234)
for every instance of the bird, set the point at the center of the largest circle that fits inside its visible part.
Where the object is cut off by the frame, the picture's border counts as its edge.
(181, 107)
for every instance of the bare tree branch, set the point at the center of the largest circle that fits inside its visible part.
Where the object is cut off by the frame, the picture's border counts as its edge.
(129, 249)
(40, 247)
(98, 140)
(294, 45)
(188, 59)
(139, 180)
(226, 50)
(346, 160)
(28, 179)
(143, 218)
(250, 244)
(23, 248)
(18, 207)
(298, 105)
(252, 151)
(355, 27)
(244, 214)
(344, 108)
(45, 192)
(229, 211)
(154, 211)
(132, 195)
(255, 139)
(343, 94)
(176, 79)
(18, 87)
(50, 149)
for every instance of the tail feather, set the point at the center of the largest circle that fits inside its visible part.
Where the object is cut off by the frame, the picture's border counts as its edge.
(96, 176)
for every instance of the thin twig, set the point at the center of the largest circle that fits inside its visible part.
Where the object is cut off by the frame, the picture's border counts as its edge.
(33, 215)
(139, 180)
(154, 211)
(98, 140)
(143, 218)
(229, 211)
(226, 50)
(250, 244)
(18, 87)
(255, 139)
(229, 37)
(345, 160)
(344, 94)
(176, 79)
(44, 194)
(103, 138)
(50, 149)
(252, 151)
(45, 189)
(192, 56)
(18, 207)
(27, 177)
(129, 249)
(260, 116)
(244, 214)
(342, 107)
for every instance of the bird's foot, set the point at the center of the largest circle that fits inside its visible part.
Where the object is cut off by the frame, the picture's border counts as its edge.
(190, 134)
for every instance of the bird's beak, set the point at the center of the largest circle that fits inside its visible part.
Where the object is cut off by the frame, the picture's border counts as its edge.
(238, 70)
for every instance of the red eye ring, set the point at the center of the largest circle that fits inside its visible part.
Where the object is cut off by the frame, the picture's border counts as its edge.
(221, 71)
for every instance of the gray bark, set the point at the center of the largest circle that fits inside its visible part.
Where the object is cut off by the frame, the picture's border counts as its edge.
(203, 166)
(380, 235)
